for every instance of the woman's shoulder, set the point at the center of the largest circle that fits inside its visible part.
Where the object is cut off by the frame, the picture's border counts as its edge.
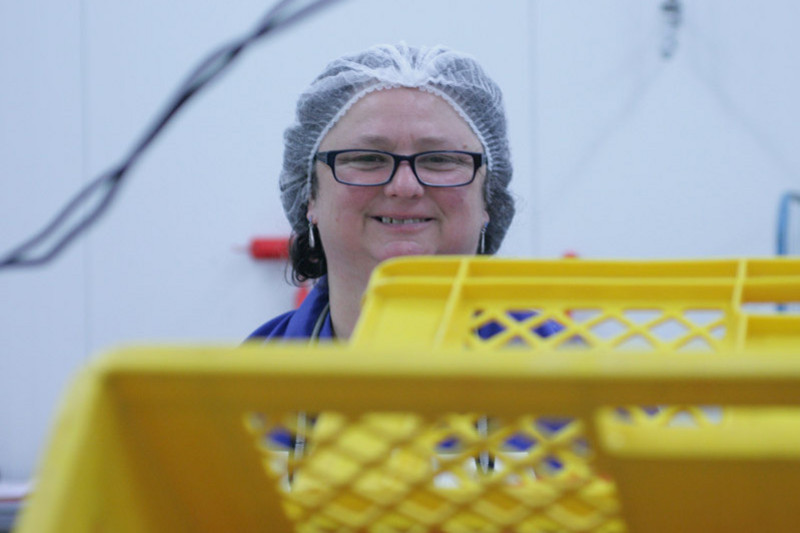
(298, 323)
(273, 328)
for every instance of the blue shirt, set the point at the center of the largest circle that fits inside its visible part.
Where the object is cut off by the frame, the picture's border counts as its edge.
(299, 323)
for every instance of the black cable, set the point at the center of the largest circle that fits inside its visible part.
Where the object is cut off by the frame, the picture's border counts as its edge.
(283, 14)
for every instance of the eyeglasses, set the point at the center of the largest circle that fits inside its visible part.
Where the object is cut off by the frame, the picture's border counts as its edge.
(370, 168)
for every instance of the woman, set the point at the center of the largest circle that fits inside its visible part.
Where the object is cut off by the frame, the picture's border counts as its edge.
(395, 151)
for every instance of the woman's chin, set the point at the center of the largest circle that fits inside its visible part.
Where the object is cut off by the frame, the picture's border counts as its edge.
(401, 248)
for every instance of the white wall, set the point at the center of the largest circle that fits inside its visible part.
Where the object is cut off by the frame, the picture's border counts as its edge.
(617, 152)
(641, 157)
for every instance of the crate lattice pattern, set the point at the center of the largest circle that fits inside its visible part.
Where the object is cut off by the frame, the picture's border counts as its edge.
(634, 328)
(399, 472)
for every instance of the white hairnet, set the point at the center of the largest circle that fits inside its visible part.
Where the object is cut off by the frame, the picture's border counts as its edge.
(455, 77)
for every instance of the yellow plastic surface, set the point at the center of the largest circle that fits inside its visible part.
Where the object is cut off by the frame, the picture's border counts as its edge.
(555, 419)
(665, 306)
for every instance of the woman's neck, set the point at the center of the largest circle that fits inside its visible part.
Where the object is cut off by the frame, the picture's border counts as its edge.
(345, 292)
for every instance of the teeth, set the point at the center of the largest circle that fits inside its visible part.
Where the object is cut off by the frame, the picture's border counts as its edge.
(390, 220)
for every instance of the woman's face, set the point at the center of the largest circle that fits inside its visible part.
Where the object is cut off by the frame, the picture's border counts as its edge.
(362, 226)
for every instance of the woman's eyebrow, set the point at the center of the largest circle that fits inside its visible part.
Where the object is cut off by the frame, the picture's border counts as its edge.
(434, 142)
(421, 143)
(373, 141)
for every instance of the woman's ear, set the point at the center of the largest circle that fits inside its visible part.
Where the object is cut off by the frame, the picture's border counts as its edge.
(311, 210)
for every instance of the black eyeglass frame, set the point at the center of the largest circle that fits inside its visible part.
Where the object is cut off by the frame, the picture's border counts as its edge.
(329, 158)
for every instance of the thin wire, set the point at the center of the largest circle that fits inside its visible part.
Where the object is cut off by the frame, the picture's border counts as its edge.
(673, 15)
(782, 234)
(282, 15)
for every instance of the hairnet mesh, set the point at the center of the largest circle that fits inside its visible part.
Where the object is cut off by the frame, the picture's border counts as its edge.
(455, 77)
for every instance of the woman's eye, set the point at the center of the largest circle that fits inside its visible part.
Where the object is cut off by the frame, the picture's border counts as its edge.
(443, 160)
(363, 160)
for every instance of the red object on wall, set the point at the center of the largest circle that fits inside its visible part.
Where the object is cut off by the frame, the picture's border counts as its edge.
(269, 248)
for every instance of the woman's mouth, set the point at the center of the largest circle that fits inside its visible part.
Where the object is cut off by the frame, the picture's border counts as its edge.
(401, 221)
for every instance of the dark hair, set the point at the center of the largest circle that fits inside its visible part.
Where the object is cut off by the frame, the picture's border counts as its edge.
(307, 262)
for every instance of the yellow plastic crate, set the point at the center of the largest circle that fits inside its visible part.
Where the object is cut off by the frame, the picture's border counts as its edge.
(665, 306)
(476, 395)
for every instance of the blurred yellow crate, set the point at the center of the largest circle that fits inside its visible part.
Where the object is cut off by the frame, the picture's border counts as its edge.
(666, 306)
(476, 395)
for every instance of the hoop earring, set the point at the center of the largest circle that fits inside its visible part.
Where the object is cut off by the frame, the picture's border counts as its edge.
(311, 241)
(482, 246)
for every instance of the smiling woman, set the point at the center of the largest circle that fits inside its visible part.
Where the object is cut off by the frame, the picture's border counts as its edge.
(395, 151)
(360, 226)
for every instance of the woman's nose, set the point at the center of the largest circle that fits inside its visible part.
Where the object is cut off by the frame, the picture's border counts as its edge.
(404, 183)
